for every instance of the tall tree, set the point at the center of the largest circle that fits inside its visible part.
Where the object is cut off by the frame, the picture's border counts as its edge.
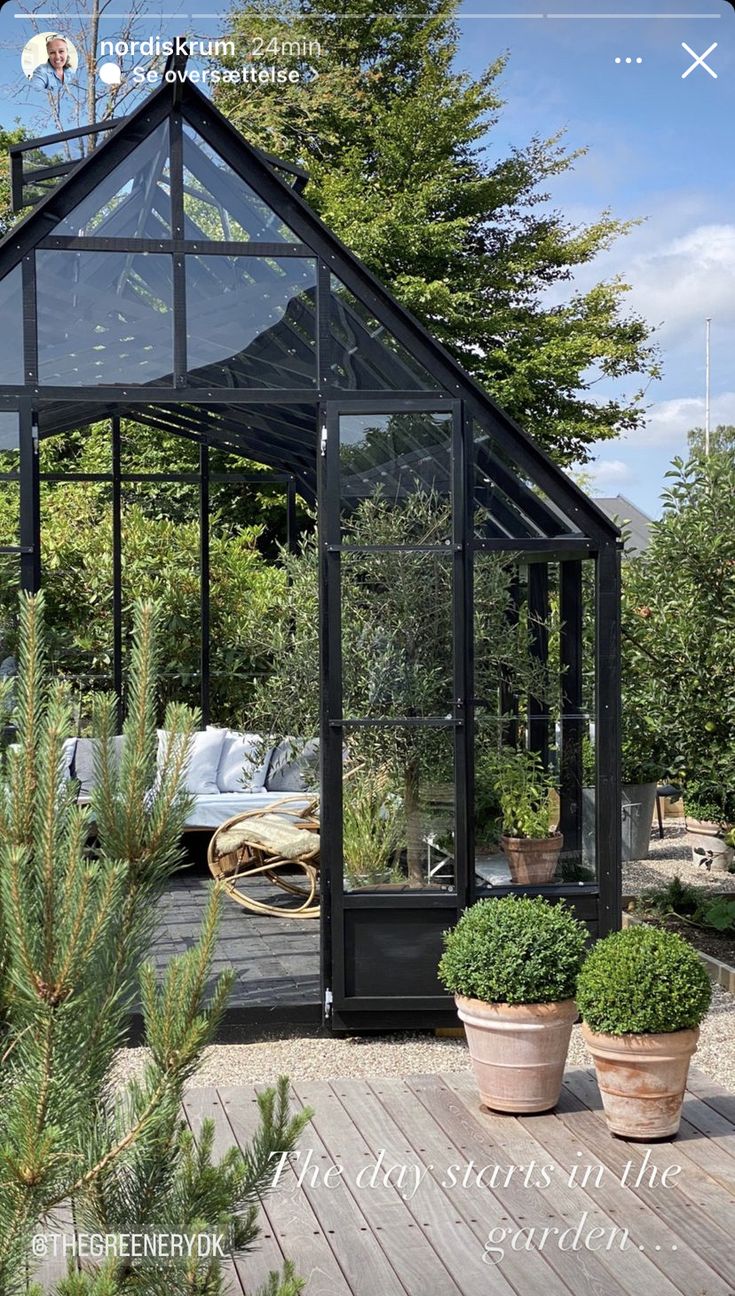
(721, 439)
(76, 919)
(399, 147)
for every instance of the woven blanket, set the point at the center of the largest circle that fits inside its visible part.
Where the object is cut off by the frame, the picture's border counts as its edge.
(269, 833)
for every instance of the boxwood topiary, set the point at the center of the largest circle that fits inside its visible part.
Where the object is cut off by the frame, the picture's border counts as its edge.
(643, 981)
(515, 951)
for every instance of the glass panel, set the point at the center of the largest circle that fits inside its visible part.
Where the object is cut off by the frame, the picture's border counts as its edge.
(506, 502)
(87, 450)
(396, 634)
(160, 559)
(9, 513)
(76, 536)
(395, 472)
(9, 441)
(11, 314)
(251, 321)
(367, 354)
(104, 317)
(398, 816)
(219, 206)
(133, 201)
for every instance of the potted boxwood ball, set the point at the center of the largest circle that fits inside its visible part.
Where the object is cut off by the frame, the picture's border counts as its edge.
(512, 965)
(642, 993)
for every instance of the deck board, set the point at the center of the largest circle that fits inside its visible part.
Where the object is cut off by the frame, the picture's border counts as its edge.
(385, 1241)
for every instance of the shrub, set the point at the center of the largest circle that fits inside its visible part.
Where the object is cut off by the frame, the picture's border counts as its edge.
(514, 950)
(643, 981)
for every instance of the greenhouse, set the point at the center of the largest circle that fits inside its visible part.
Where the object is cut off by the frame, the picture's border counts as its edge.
(466, 635)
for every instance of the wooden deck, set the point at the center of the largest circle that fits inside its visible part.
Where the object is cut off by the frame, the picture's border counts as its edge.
(380, 1239)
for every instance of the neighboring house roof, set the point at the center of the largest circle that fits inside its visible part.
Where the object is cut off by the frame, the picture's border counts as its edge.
(633, 522)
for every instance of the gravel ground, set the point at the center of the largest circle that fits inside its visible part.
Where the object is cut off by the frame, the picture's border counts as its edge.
(317, 1057)
(667, 857)
(249, 1059)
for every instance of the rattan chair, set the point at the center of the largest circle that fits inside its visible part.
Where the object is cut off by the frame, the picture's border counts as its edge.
(240, 851)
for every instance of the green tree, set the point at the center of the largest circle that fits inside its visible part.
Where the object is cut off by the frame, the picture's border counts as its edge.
(722, 438)
(77, 916)
(160, 560)
(393, 136)
(680, 601)
(396, 624)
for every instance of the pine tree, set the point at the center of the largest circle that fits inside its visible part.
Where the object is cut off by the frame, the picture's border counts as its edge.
(399, 147)
(77, 916)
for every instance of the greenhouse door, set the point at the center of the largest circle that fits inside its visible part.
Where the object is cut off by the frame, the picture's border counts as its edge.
(394, 671)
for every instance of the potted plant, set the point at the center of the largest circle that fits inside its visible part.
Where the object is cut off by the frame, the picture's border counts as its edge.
(372, 831)
(642, 994)
(708, 821)
(524, 790)
(511, 965)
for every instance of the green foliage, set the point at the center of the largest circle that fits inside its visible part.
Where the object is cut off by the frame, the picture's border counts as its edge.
(161, 561)
(718, 914)
(396, 615)
(393, 137)
(523, 787)
(77, 917)
(643, 981)
(695, 905)
(721, 439)
(373, 829)
(514, 950)
(675, 897)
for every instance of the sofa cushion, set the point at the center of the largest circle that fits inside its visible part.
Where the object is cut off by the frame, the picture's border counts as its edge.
(205, 750)
(243, 763)
(294, 766)
(83, 760)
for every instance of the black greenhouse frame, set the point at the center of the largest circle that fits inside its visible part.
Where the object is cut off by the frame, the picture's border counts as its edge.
(197, 222)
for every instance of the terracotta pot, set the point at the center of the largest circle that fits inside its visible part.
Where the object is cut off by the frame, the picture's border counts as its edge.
(533, 860)
(642, 1079)
(518, 1051)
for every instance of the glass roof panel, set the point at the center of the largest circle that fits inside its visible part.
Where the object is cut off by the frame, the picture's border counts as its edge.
(367, 356)
(104, 317)
(251, 321)
(505, 503)
(11, 314)
(133, 201)
(219, 206)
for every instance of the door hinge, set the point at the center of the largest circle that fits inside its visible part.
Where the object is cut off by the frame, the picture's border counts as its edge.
(323, 443)
(328, 1001)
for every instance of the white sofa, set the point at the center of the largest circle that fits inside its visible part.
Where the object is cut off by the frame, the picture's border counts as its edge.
(227, 773)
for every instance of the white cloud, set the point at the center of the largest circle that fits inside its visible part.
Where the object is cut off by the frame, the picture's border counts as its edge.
(679, 282)
(609, 473)
(669, 421)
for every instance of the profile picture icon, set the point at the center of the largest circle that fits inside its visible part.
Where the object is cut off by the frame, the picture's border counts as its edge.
(49, 60)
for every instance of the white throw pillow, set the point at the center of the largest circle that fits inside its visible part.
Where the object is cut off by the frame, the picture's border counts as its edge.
(243, 763)
(205, 750)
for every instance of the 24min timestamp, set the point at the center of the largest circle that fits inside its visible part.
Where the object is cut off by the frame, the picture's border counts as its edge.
(281, 48)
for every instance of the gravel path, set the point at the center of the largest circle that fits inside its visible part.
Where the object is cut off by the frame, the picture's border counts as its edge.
(315, 1057)
(668, 857)
(247, 1059)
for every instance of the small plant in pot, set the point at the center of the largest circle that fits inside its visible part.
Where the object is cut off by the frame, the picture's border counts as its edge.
(524, 790)
(512, 966)
(373, 830)
(642, 994)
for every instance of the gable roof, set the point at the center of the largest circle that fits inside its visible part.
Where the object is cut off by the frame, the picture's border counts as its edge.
(256, 170)
(632, 520)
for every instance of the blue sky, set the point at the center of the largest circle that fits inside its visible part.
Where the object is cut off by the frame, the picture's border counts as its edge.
(659, 149)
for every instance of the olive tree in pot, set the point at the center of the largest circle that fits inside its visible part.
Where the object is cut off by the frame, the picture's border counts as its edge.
(642, 994)
(530, 845)
(512, 965)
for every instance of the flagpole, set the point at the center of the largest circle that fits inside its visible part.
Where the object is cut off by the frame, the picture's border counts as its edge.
(707, 384)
